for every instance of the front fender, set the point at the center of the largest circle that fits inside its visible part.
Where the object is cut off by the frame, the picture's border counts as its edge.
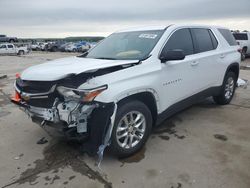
(115, 96)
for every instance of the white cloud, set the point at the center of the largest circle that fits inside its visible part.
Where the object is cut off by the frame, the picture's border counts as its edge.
(47, 18)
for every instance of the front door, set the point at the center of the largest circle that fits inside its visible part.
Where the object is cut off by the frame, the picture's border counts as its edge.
(179, 78)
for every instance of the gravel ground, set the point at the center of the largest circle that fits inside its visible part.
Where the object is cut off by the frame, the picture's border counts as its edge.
(203, 146)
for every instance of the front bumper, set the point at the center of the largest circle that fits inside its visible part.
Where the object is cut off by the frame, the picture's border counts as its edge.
(68, 119)
(74, 120)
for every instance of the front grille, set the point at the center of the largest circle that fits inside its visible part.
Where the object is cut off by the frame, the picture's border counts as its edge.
(34, 86)
(43, 103)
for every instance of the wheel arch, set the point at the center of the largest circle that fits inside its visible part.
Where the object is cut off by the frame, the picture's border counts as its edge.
(147, 97)
(245, 47)
(235, 68)
(20, 51)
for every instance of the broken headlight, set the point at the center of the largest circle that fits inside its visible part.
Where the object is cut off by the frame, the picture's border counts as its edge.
(68, 92)
(85, 95)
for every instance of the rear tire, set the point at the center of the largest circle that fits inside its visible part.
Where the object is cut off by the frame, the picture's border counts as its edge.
(132, 128)
(21, 52)
(227, 89)
(243, 54)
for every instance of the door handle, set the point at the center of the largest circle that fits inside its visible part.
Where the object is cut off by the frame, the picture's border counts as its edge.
(222, 56)
(194, 63)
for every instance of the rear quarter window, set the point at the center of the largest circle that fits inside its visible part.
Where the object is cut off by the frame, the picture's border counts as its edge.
(228, 37)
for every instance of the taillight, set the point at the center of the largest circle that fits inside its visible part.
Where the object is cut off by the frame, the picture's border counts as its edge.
(239, 50)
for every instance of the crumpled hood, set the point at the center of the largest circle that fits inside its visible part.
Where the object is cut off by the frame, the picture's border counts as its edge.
(58, 69)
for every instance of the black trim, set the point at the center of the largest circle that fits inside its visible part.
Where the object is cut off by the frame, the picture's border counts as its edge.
(233, 65)
(98, 125)
(179, 106)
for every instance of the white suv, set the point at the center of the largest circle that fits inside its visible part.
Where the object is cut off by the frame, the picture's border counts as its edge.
(129, 83)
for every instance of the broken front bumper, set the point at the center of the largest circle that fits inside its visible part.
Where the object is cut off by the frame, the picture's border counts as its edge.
(75, 121)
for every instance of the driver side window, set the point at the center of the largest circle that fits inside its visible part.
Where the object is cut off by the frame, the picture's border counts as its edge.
(3, 46)
(180, 40)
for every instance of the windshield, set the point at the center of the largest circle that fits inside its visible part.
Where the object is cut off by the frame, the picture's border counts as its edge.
(126, 45)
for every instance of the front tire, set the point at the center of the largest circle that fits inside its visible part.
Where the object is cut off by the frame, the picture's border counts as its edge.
(132, 128)
(227, 90)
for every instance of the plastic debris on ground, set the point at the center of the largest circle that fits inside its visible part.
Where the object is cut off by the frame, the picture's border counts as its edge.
(107, 138)
(42, 141)
(242, 83)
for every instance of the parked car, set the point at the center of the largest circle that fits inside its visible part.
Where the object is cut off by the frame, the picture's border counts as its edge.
(4, 38)
(83, 47)
(63, 47)
(243, 39)
(71, 47)
(35, 46)
(77, 47)
(129, 83)
(42, 45)
(8, 48)
(54, 47)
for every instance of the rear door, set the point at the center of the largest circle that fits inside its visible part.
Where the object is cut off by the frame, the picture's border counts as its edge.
(208, 57)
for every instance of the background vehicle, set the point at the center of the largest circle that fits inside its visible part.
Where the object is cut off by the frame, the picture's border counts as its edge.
(81, 46)
(129, 83)
(55, 46)
(243, 39)
(4, 38)
(42, 45)
(8, 48)
(35, 46)
(71, 47)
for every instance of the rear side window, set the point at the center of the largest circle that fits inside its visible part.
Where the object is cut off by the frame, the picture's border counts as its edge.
(10, 46)
(240, 36)
(228, 36)
(203, 40)
(180, 40)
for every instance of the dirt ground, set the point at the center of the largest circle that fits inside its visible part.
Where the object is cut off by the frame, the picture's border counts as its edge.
(203, 146)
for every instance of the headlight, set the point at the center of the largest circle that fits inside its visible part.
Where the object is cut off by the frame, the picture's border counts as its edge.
(67, 92)
(86, 95)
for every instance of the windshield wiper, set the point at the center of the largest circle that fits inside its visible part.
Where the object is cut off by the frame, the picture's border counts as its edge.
(84, 54)
(108, 58)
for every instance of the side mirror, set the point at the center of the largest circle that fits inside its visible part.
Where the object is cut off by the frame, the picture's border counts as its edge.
(172, 55)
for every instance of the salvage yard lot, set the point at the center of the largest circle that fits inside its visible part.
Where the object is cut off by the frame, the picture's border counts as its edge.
(205, 145)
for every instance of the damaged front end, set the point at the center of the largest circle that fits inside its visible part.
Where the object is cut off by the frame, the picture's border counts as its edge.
(62, 109)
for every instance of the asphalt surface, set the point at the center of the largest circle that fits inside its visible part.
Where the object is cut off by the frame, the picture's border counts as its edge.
(205, 145)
